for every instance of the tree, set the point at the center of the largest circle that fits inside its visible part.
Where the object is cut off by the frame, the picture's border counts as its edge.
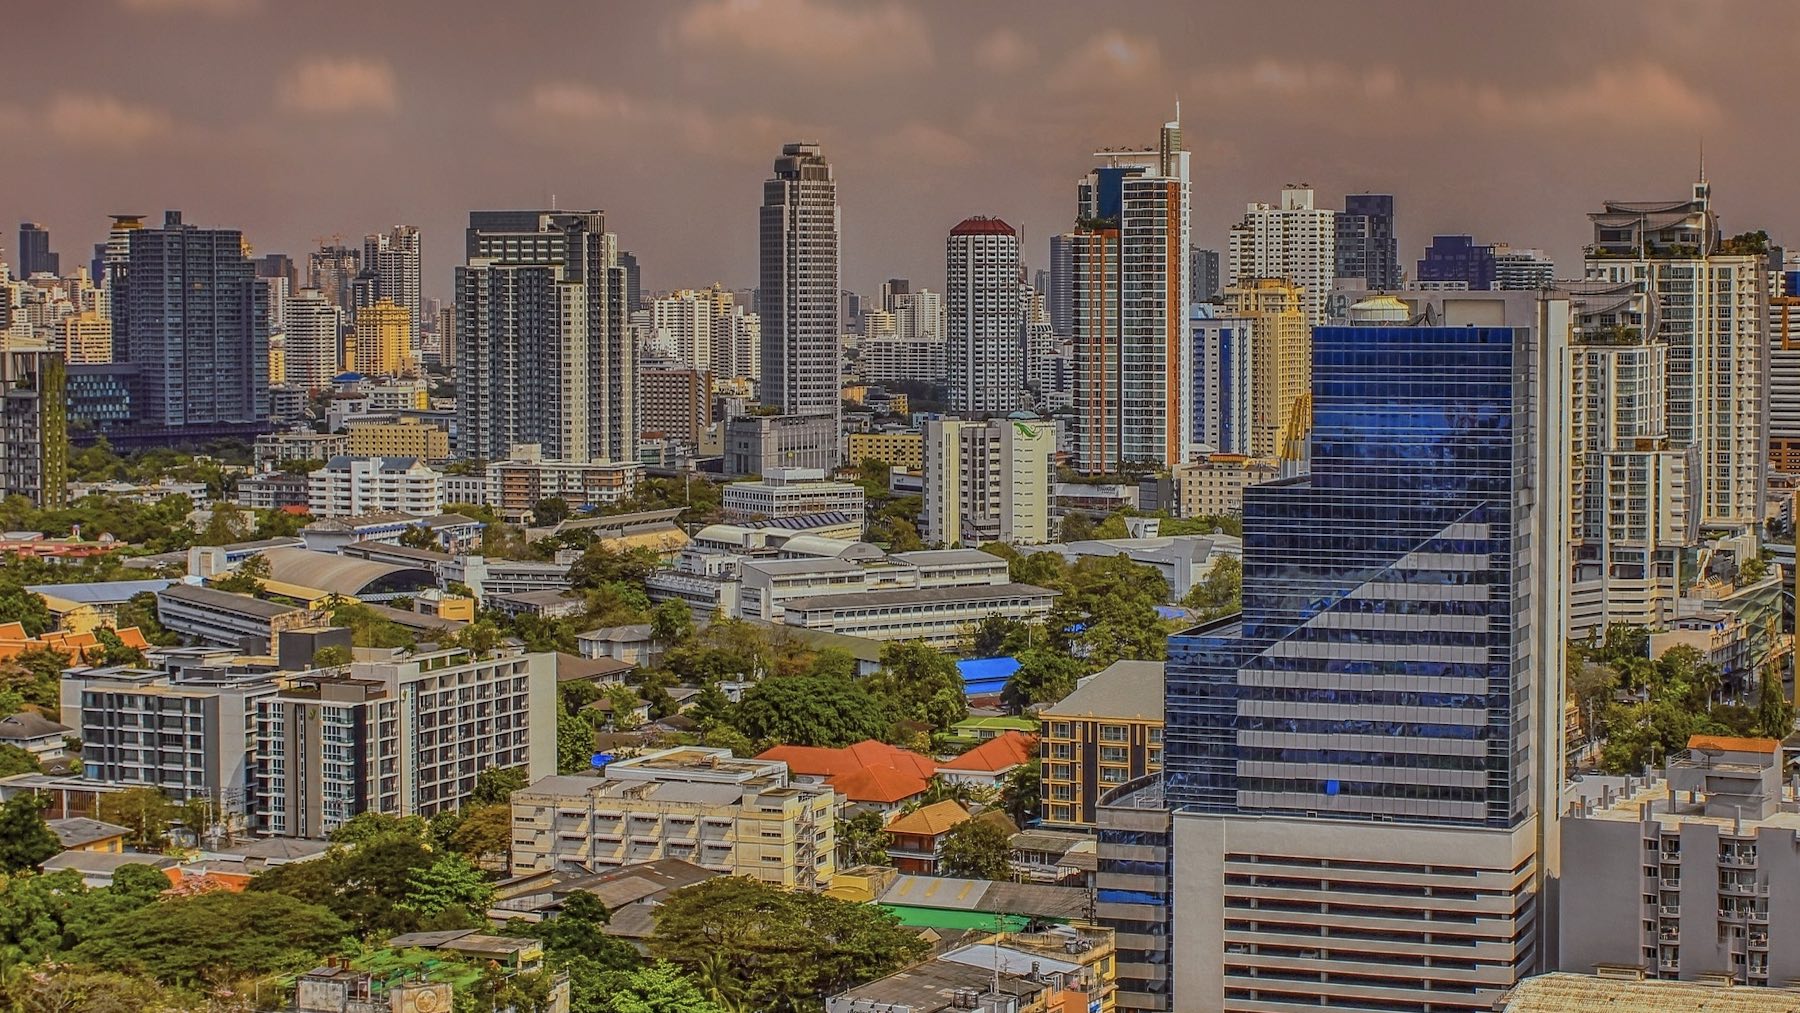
(140, 611)
(1221, 592)
(811, 711)
(449, 883)
(370, 825)
(976, 849)
(71, 988)
(483, 832)
(621, 707)
(25, 839)
(997, 636)
(787, 948)
(495, 785)
(333, 656)
(574, 742)
(1774, 712)
(14, 760)
(1076, 527)
(226, 526)
(862, 840)
(550, 511)
(1107, 611)
(419, 536)
(601, 565)
(25, 607)
(659, 988)
(578, 930)
(113, 650)
(36, 675)
(363, 885)
(1021, 792)
(671, 623)
(145, 812)
(190, 940)
(1044, 676)
(247, 578)
(922, 683)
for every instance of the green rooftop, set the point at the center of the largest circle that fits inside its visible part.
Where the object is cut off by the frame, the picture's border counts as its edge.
(935, 918)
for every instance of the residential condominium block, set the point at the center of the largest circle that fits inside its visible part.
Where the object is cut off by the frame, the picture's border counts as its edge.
(34, 427)
(516, 485)
(405, 438)
(988, 481)
(348, 486)
(1292, 241)
(1105, 734)
(406, 735)
(740, 817)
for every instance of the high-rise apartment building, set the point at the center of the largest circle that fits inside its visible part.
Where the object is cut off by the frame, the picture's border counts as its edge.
(682, 326)
(381, 344)
(1203, 274)
(1364, 766)
(86, 337)
(34, 427)
(1280, 359)
(312, 340)
(1224, 380)
(982, 277)
(114, 261)
(801, 368)
(544, 352)
(1784, 369)
(1062, 279)
(35, 255)
(987, 481)
(1522, 269)
(333, 270)
(391, 260)
(196, 328)
(736, 337)
(1366, 246)
(634, 281)
(1129, 298)
(1293, 241)
(1710, 306)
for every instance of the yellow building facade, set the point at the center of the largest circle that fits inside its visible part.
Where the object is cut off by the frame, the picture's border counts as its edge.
(901, 450)
(382, 340)
(1281, 355)
(406, 438)
(87, 338)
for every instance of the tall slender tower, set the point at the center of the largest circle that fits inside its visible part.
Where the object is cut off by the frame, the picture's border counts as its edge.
(391, 259)
(798, 290)
(986, 359)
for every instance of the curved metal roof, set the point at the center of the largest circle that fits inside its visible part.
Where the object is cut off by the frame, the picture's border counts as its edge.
(342, 574)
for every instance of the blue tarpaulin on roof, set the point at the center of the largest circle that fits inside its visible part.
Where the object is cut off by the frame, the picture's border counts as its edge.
(986, 676)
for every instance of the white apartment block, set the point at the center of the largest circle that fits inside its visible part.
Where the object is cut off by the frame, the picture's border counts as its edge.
(404, 736)
(1522, 268)
(889, 358)
(740, 817)
(682, 327)
(987, 481)
(981, 268)
(793, 492)
(314, 340)
(349, 486)
(940, 616)
(1292, 240)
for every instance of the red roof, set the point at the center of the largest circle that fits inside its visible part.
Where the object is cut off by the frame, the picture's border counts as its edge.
(983, 227)
(1002, 752)
(868, 771)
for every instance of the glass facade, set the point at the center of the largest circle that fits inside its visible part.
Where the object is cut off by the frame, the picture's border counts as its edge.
(1379, 667)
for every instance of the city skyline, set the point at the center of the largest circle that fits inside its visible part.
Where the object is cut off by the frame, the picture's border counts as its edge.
(1469, 137)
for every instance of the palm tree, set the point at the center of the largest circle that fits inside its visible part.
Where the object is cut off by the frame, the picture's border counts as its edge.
(716, 978)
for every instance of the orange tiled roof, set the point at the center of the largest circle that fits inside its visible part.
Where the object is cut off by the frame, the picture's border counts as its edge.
(1732, 744)
(931, 820)
(868, 771)
(1002, 752)
(13, 642)
(188, 884)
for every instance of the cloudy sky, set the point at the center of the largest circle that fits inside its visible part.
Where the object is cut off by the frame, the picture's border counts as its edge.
(298, 120)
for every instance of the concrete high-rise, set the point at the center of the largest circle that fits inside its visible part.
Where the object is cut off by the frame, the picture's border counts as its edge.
(544, 352)
(682, 327)
(1364, 766)
(1129, 299)
(115, 261)
(802, 370)
(35, 256)
(391, 259)
(312, 343)
(1784, 369)
(1224, 384)
(1280, 359)
(333, 270)
(982, 277)
(196, 327)
(1292, 240)
(1062, 271)
(987, 482)
(1366, 246)
(1203, 272)
(381, 344)
(34, 427)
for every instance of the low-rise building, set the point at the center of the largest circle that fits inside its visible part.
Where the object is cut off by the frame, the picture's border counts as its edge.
(485, 576)
(792, 492)
(543, 604)
(453, 533)
(916, 839)
(517, 484)
(349, 486)
(1181, 560)
(867, 775)
(726, 814)
(1690, 875)
(1617, 989)
(230, 620)
(939, 616)
(34, 733)
(898, 450)
(272, 450)
(274, 490)
(989, 763)
(78, 833)
(401, 438)
(758, 444)
(1215, 487)
(1105, 734)
(81, 608)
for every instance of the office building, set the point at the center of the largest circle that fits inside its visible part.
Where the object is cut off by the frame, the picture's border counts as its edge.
(986, 360)
(390, 263)
(1454, 262)
(798, 288)
(1203, 274)
(544, 351)
(380, 344)
(1224, 382)
(196, 328)
(792, 492)
(348, 486)
(313, 333)
(1107, 733)
(34, 427)
(1375, 743)
(35, 256)
(1366, 246)
(1689, 875)
(406, 736)
(755, 444)
(1280, 360)
(1130, 299)
(897, 450)
(987, 481)
(739, 817)
(1710, 304)
(1214, 487)
(1292, 241)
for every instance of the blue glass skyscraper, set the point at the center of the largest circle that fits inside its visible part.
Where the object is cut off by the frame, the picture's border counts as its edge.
(1379, 731)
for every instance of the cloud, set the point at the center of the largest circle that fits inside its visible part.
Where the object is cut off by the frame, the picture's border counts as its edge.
(1643, 93)
(922, 144)
(802, 34)
(102, 121)
(550, 111)
(189, 6)
(327, 85)
(1004, 52)
(1114, 57)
